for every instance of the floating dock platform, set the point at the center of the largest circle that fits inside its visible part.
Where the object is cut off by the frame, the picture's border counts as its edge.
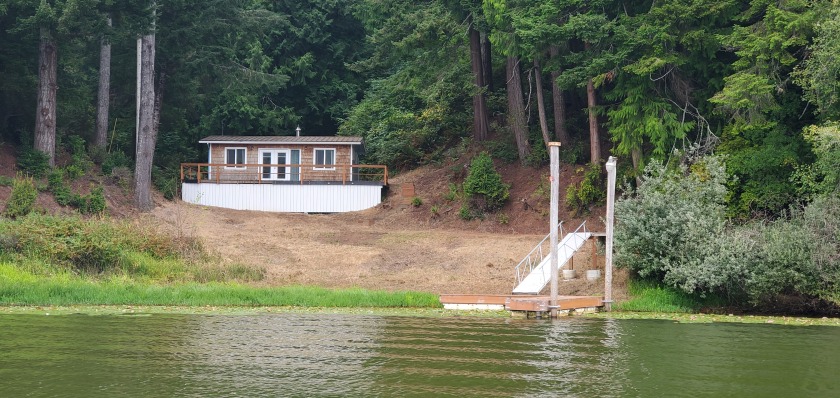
(519, 302)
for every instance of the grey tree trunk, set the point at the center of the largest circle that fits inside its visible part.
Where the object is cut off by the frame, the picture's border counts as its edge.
(516, 108)
(146, 133)
(559, 102)
(47, 86)
(541, 103)
(636, 158)
(103, 102)
(594, 139)
(487, 62)
(480, 121)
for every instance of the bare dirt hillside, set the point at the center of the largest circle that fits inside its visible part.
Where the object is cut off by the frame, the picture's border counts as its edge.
(395, 246)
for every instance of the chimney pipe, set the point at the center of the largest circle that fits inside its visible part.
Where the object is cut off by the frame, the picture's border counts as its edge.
(297, 131)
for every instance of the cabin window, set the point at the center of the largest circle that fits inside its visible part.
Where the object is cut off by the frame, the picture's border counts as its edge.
(236, 157)
(324, 159)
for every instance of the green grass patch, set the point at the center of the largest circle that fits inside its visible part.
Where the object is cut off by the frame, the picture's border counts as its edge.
(648, 296)
(100, 248)
(18, 287)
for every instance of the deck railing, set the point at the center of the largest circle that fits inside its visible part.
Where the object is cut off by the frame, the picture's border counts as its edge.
(225, 173)
(540, 252)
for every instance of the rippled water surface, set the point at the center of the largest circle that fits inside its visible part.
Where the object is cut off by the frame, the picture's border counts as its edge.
(355, 355)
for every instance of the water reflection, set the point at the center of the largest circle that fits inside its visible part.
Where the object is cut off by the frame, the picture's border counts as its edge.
(353, 355)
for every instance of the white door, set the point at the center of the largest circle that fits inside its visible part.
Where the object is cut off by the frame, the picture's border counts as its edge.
(276, 158)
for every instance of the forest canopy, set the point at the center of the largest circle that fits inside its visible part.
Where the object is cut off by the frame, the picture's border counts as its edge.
(750, 80)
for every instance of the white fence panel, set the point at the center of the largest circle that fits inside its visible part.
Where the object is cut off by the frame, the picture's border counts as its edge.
(284, 198)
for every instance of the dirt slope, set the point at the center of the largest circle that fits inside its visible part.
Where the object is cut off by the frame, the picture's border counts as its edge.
(395, 246)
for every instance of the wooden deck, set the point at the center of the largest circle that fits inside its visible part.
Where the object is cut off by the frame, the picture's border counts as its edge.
(527, 303)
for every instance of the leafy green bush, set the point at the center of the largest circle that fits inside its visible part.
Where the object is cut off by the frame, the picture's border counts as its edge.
(76, 146)
(166, 181)
(823, 176)
(798, 256)
(114, 160)
(34, 163)
(503, 149)
(61, 192)
(671, 227)
(23, 197)
(590, 191)
(94, 203)
(416, 201)
(483, 187)
(90, 246)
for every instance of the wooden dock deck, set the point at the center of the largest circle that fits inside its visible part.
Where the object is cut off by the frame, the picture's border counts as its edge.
(516, 302)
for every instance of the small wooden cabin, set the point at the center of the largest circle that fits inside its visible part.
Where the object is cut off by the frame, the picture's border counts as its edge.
(308, 174)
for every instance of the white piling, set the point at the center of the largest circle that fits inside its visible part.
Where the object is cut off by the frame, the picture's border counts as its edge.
(554, 152)
(610, 219)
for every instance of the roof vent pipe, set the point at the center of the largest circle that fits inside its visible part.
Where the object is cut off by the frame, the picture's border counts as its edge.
(297, 131)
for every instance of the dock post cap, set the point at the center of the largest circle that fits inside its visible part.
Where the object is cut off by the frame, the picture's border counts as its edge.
(611, 163)
(554, 143)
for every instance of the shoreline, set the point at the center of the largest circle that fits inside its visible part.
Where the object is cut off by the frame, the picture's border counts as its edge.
(147, 310)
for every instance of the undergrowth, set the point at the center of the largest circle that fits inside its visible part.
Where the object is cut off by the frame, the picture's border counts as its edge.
(649, 296)
(100, 248)
(19, 287)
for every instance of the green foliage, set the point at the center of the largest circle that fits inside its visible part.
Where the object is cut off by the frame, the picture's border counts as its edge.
(797, 256)
(503, 149)
(62, 193)
(672, 227)
(763, 157)
(823, 176)
(113, 160)
(33, 163)
(6, 181)
(650, 296)
(454, 193)
(420, 83)
(22, 198)
(166, 181)
(591, 190)
(94, 203)
(93, 245)
(819, 74)
(483, 187)
(416, 201)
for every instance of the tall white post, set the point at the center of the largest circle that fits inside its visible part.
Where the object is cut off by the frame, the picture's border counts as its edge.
(610, 220)
(554, 152)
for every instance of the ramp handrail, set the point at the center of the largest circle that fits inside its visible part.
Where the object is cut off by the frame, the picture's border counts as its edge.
(536, 255)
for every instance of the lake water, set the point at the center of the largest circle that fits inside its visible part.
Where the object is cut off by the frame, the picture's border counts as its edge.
(357, 355)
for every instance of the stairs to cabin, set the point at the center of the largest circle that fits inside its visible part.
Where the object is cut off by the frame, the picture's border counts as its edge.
(534, 271)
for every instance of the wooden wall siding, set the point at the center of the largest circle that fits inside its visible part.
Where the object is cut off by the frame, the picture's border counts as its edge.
(307, 154)
(284, 198)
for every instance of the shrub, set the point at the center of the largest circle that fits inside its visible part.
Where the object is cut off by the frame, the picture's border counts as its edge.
(34, 163)
(416, 201)
(76, 146)
(114, 160)
(671, 228)
(454, 192)
(61, 192)
(590, 191)
(483, 187)
(94, 203)
(23, 197)
(166, 181)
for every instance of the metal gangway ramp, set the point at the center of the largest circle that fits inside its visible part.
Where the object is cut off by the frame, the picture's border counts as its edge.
(534, 271)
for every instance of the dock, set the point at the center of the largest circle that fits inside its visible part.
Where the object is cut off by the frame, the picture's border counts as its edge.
(537, 304)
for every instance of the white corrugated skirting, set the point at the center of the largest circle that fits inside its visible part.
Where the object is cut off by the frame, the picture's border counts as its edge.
(284, 198)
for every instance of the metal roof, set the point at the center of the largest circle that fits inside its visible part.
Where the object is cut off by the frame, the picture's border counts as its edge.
(281, 139)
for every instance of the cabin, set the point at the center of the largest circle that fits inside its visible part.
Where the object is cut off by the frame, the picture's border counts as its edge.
(297, 174)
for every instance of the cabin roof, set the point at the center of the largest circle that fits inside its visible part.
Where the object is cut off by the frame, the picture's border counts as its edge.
(280, 139)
